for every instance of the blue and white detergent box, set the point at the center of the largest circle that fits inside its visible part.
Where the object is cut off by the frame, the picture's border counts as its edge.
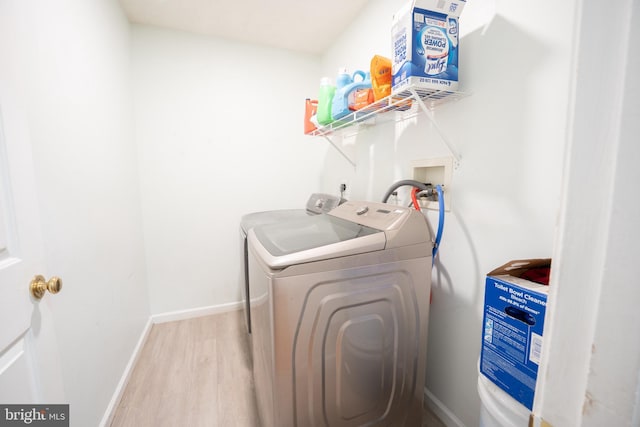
(425, 44)
(515, 303)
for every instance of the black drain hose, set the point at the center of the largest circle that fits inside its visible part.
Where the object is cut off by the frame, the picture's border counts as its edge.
(429, 189)
(410, 182)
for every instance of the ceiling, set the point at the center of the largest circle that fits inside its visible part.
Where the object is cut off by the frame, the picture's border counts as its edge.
(300, 25)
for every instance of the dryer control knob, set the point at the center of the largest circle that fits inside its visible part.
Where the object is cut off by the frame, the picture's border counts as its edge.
(363, 210)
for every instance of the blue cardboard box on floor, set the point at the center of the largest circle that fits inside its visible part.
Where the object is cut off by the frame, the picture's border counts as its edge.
(515, 303)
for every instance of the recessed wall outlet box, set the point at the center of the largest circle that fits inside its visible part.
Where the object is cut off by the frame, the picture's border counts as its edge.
(435, 171)
(515, 302)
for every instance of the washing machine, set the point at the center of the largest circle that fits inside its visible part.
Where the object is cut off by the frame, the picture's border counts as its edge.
(339, 308)
(318, 203)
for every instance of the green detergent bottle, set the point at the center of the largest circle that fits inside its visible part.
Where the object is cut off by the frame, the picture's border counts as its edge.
(325, 99)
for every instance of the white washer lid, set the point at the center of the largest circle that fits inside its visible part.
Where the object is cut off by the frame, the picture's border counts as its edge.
(318, 203)
(313, 238)
(255, 219)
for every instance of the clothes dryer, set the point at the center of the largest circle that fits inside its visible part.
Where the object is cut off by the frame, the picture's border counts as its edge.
(340, 306)
(317, 204)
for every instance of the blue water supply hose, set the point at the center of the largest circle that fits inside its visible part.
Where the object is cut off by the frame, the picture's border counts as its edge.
(424, 187)
(440, 222)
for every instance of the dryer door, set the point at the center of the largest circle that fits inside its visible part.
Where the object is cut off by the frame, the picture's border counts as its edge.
(351, 347)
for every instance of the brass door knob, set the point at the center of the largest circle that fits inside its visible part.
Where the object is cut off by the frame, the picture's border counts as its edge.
(39, 286)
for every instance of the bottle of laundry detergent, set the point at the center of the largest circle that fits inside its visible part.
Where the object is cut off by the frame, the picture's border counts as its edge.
(325, 99)
(343, 78)
(346, 85)
(310, 112)
(381, 77)
(362, 96)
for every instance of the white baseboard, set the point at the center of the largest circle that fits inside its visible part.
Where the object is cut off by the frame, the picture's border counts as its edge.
(437, 407)
(195, 312)
(153, 319)
(119, 391)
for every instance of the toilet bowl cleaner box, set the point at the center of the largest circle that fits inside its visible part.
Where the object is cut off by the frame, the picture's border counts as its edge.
(515, 303)
(425, 45)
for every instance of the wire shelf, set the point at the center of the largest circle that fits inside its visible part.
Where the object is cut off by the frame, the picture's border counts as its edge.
(409, 100)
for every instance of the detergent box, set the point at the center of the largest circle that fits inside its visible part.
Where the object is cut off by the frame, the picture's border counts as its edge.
(515, 302)
(425, 45)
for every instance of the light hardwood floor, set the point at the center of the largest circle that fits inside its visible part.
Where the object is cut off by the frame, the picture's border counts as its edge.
(193, 373)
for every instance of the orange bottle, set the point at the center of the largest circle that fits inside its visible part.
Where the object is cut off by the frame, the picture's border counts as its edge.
(363, 98)
(310, 109)
(380, 77)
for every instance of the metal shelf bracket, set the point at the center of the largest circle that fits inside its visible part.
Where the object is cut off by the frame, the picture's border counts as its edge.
(402, 101)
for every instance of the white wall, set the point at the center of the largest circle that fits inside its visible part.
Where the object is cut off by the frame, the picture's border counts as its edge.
(590, 372)
(505, 195)
(74, 59)
(219, 133)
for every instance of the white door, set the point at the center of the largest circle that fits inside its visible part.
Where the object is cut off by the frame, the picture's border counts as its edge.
(29, 364)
